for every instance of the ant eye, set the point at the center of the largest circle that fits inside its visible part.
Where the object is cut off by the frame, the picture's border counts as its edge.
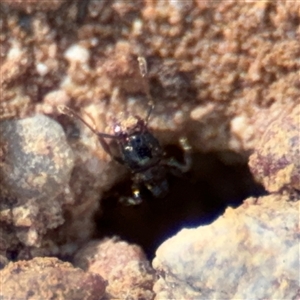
(138, 140)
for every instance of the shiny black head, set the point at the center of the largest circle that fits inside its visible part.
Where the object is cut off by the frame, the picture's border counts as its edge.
(139, 148)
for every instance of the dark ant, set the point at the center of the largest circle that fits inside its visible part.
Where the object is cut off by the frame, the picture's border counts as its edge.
(140, 151)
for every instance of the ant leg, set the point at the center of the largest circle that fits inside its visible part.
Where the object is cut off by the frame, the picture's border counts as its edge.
(150, 109)
(72, 114)
(143, 66)
(106, 147)
(187, 156)
(144, 71)
(135, 199)
(186, 165)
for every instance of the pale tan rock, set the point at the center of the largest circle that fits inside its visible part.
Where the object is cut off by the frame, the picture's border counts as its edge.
(251, 251)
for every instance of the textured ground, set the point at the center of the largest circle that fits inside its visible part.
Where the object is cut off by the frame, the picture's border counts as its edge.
(225, 74)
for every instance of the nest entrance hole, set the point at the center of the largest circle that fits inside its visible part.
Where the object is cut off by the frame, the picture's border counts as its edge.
(195, 199)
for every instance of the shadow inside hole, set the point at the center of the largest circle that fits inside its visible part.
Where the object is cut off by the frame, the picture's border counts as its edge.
(195, 199)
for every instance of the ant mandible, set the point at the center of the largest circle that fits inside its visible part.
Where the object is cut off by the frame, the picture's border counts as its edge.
(140, 151)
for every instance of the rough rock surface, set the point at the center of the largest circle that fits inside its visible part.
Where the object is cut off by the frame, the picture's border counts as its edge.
(219, 72)
(124, 266)
(251, 250)
(35, 170)
(37, 160)
(29, 6)
(276, 159)
(49, 278)
(41, 198)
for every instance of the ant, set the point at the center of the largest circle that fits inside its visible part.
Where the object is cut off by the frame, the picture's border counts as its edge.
(140, 151)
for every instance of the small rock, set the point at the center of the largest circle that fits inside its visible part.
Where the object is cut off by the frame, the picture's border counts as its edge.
(37, 160)
(77, 54)
(35, 166)
(124, 266)
(49, 278)
(276, 160)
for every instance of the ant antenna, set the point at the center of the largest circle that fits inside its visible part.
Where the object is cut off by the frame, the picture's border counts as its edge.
(144, 72)
(72, 114)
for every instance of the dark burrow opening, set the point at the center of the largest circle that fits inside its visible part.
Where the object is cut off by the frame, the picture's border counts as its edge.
(196, 198)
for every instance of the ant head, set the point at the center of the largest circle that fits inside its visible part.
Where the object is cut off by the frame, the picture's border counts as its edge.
(129, 126)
